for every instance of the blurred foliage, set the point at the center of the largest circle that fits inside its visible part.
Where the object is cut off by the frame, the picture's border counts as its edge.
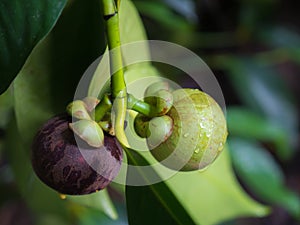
(250, 45)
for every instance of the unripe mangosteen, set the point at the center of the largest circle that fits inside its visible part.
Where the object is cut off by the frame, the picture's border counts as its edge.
(61, 164)
(198, 135)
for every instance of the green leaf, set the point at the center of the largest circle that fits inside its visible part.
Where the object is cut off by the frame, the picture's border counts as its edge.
(143, 202)
(262, 89)
(131, 26)
(209, 196)
(6, 106)
(23, 25)
(33, 104)
(258, 169)
(243, 122)
(93, 217)
(214, 195)
(99, 201)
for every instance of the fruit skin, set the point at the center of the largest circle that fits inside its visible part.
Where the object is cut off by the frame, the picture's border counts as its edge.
(199, 132)
(59, 163)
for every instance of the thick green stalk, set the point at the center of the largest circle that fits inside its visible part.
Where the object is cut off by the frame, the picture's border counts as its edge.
(102, 108)
(118, 86)
(140, 106)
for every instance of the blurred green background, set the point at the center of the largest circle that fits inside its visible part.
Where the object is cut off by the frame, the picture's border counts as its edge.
(253, 48)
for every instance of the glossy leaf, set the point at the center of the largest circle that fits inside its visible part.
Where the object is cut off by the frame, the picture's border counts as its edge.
(99, 201)
(23, 25)
(197, 192)
(257, 168)
(33, 104)
(243, 122)
(143, 202)
(214, 195)
(93, 217)
(260, 88)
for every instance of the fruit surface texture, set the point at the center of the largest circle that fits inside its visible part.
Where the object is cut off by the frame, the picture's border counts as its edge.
(71, 166)
(198, 135)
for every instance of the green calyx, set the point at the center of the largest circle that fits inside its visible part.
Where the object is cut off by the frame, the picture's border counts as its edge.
(159, 130)
(88, 114)
(78, 109)
(160, 97)
(89, 131)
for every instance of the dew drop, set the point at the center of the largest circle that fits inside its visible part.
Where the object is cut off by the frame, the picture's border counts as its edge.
(220, 147)
(197, 151)
(62, 196)
(186, 135)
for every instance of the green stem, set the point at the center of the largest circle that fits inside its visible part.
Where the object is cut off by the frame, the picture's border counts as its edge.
(113, 39)
(140, 106)
(118, 86)
(102, 108)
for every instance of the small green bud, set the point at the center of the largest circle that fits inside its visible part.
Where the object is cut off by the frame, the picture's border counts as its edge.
(162, 102)
(152, 89)
(159, 95)
(91, 103)
(141, 124)
(159, 130)
(78, 110)
(105, 125)
(89, 131)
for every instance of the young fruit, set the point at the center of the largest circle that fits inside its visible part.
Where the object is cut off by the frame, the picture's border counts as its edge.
(198, 134)
(59, 163)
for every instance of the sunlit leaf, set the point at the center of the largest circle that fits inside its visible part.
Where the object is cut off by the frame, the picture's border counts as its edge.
(257, 168)
(92, 217)
(33, 104)
(23, 25)
(143, 202)
(99, 201)
(214, 195)
(203, 194)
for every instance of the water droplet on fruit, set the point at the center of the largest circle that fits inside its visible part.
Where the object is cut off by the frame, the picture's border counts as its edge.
(197, 151)
(62, 196)
(186, 135)
(220, 147)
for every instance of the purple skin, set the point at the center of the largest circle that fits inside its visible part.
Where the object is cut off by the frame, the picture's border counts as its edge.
(59, 163)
